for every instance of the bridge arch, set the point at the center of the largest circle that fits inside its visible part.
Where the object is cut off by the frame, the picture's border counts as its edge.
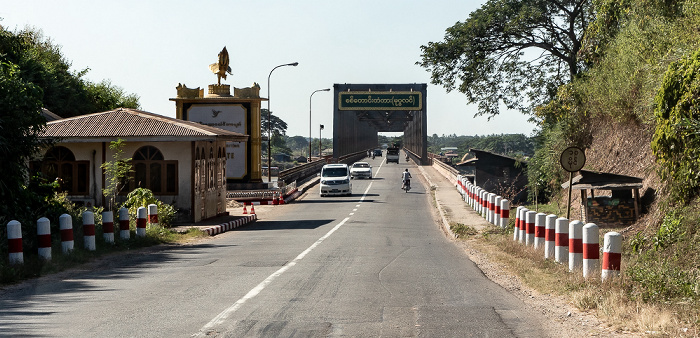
(361, 111)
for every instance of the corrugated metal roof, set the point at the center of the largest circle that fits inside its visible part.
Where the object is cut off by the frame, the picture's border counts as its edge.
(125, 122)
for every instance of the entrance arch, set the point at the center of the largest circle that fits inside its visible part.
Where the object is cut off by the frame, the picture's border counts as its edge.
(361, 111)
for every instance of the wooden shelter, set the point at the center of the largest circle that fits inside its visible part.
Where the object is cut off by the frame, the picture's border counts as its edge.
(621, 207)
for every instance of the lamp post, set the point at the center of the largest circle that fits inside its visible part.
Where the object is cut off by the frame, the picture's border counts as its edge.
(269, 123)
(312, 94)
(319, 141)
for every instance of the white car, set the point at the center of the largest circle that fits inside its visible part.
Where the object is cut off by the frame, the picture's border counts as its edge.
(361, 169)
(335, 180)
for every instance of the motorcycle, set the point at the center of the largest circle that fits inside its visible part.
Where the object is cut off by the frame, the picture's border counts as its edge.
(406, 185)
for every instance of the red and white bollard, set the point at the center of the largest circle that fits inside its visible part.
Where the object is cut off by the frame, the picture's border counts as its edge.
(141, 222)
(612, 255)
(89, 230)
(14, 242)
(43, 236)
(530, 228)
(108, 226)
(591, 253)
(65, 223)
(490, 207)
(561, 240)
(124, 227)
(153, 215)
(540, 219)
(516, 228)
(549, 236)
(497, 211)
(575, 245)
(505, 213)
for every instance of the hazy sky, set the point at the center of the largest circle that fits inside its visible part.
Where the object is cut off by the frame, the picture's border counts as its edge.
(148, 47)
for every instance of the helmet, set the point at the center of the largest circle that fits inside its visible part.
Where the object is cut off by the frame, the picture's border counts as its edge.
(406, 169)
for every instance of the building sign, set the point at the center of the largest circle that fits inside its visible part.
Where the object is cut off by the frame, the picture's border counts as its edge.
(231, 118)
(380, 101)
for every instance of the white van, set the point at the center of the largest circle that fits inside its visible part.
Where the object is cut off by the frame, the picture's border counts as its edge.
(335, 180)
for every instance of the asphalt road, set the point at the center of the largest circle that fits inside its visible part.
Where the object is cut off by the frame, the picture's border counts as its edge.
(368, 265)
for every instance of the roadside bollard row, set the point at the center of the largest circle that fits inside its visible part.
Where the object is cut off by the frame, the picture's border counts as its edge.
(566, 242)
(43, 229)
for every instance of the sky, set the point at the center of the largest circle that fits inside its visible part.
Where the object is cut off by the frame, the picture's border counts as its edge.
(149, 47)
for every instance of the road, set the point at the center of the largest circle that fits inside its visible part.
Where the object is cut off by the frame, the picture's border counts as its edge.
(368, 265)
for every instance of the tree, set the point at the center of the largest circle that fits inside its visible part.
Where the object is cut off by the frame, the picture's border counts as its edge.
(510, 52)
(117, 171)
(279, 127)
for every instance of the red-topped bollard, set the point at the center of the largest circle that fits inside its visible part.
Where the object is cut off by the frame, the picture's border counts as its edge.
(591, 250)
(561, 240)
(575, 245)
(141, 222)
(89, 230)
(153, 215)
(65, 223)
(612, 255)
(124, 227)
(505, 213)
(14, 242)
(108, 226)
(549, 236)
(43, 236)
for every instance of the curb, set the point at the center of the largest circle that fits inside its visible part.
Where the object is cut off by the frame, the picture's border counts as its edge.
(221, 228)
(445, 222)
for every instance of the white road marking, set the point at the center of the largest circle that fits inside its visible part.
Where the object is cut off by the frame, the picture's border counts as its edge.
(221, 317)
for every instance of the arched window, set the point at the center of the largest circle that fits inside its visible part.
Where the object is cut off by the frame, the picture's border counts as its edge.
(152, 171)
(212, 168)
(74, 176)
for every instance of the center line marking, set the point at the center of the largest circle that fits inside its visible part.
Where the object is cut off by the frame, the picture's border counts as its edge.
(221, 317)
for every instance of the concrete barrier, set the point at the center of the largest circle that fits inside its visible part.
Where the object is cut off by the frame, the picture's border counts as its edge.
(549, 236)
(124, 227)
(14, 242)
(108, 226)
(89, 231)
(591, 248)
(522, 232)
(530, 228)
(612, 255)
(65, 223)
(43, 234)
(505, 213)
(490, 207)
(516, 229)
(540, 219)
(153, 214)
(141, 222)
(561, 240)
(575, 245)
(497, 211)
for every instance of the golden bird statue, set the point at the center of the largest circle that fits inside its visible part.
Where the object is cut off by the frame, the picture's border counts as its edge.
(221, 68)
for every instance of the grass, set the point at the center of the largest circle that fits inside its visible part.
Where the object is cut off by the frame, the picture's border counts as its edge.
(35, 266)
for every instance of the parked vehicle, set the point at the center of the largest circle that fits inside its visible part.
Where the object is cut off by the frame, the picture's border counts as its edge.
(392, 155)
(335, 180)
(360, 170)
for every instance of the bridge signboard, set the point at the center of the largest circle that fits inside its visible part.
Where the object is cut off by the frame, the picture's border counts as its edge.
(368, 100)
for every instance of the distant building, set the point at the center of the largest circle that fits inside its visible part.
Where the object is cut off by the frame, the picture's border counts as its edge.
(182, 162)
(499, 174)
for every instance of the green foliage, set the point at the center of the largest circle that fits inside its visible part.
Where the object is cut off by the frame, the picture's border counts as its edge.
(142, 197)
(512, 53)
(513, 145)
(676, 142)
(116, 171)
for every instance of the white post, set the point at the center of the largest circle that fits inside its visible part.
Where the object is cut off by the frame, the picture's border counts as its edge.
(612, 255)
(108, 226)
(65, 223)
(141, 222)
(489, 206)
(516, 229)
(497, 211)
(43, 234)
(575, 245)
(561, 240)
(153, 214)
(530, 228)
(591, 247)
(14, 242)
(539, 230)
(505, 213)
(522, 234)
(124, 227)
(89, 230)
(549, 236)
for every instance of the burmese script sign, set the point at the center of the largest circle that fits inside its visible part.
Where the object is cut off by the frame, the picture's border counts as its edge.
(227, 117)
(380, 101)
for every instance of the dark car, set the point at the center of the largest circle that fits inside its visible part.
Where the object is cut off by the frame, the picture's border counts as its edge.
(378, 152)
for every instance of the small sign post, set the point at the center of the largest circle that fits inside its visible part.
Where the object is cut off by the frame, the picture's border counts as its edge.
(572, 159)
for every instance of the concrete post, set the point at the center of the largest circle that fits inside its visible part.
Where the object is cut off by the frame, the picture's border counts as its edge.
(522, 233)
(124, 230)
(89, 230)
(43, 234)
(505, 213)
(561, 240)
(153, 214)
(612, 255)
(539, 230)
(14, 242)
(549, 236)
(575, 245)
(108, 226)
(591, 247)
(141, 222)
(497, 211)
(530, 228)
(516, 229)
(65, 223)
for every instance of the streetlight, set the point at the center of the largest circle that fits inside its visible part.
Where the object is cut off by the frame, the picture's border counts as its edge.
(319, 141)
(312, 94)
(269, 123)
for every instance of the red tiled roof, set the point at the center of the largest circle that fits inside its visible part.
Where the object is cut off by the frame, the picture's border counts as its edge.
(125, 122)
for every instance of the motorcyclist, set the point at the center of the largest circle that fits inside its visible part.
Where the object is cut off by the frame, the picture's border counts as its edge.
(406, 179)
